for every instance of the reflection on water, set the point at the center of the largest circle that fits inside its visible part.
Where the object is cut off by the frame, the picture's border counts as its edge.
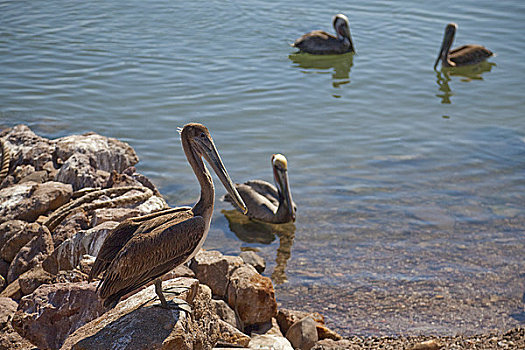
(467, 73)
(341, 64)
(251, 231)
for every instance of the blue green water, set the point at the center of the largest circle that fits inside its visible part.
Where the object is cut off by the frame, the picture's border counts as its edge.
(401, 175)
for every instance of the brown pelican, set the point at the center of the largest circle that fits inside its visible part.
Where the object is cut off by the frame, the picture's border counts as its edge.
(460, 56)
(320, 42)
(264, 201)
(142, 249)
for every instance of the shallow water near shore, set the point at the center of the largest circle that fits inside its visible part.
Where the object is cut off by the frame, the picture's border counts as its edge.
(410, 183)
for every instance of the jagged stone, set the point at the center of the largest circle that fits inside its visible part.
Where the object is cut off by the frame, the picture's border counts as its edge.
(78, 171)
(286, 318)
(53, 311)
(252, 258)
(231, 335)
(135, 323)
(251, 295)
(225, 312)
(68, 255)
(29, 200)
(31, 254)
(30, 280)
(9, 338)
(214, 269)
(303, 333)
(14, 236)
(270, 341)
(70, 226)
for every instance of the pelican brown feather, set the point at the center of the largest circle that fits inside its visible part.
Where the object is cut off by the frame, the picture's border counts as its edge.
(142, 249)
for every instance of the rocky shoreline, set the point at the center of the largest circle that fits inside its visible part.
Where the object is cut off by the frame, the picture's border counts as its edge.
(58, 201)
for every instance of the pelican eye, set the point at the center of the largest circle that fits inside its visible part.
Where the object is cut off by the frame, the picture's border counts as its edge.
(203, 135)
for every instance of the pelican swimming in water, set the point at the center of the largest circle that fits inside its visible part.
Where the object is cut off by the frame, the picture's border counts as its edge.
(320, 42)
(142, 249)
(264, 201)
(460, 56)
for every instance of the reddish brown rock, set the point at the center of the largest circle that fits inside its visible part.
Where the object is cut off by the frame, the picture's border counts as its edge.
(32, 279)
(9, 338)
(32, 254)
(12, 291)
(15, 234)
(4, 267)
(214, 269)
(54, 311)
(69, 254)
(231, 335)
(252, 296)
(286, 318)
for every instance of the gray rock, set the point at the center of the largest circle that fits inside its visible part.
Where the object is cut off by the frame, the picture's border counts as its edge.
(214, 269)
(54, 311)
(303, 333)
(225, 312)
(136, 324)
(252, 296)
(69, 254)
(78, 171)
(270, 341)
(252, 258)
(32, 254)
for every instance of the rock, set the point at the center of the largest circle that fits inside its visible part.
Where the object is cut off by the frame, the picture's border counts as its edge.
(27, 147)
(232, 335)
(36, 176)
(427, 345)
(324, 332)
(78, 171)
(14, 235)
(12, 291)
(4, 267)
(54, 311)
(214, 269)
(303, 333)
(270, 341)
(251, 295)
(135, 323)
(252, 258)
(86, 263)
(113, 214)
(32, 254)
(72, 224)
(70, 276)
(3, 283)
(29, 200)
(30, 280)
(286, 318)
(225, 312)
(9, 338)
(271, 327)
(68, 255)
(105, 153)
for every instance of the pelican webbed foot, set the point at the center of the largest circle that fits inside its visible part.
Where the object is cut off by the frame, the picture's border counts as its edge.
(175, 303)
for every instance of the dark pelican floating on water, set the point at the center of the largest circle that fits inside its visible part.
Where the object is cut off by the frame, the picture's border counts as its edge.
(460, 56)
(142, 249)
(264, 201)
(319, 42)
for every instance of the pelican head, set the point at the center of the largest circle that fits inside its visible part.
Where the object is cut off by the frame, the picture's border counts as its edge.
(202, 145)
(280, 174)
(342, 29)
(450, 32)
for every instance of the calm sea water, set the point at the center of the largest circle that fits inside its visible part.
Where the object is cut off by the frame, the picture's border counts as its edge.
(401, 175)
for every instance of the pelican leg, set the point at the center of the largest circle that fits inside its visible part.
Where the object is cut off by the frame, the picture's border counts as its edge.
(177, 303)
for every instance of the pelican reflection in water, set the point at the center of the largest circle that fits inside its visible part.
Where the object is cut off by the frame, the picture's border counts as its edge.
(266, 202)
(460, 56)
(257, 232)
(142, 249)
(466, 74)
(341, 65)
(319, 42)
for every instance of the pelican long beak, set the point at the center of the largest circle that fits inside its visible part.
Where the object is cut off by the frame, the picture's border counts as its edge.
(281, 179)
(212, 156)
(448, 38)
(439, 55)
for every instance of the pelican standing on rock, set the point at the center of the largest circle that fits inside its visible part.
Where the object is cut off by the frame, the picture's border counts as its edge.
(320, 42)
(142, 249)
(264, 201)
(460, 56)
